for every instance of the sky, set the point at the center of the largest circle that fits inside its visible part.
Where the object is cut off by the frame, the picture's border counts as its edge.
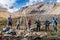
(14, 5)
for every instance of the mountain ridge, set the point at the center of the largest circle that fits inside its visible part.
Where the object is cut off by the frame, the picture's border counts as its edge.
(41, 8)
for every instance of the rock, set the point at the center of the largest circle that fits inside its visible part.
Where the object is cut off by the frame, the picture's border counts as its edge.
(24, 39)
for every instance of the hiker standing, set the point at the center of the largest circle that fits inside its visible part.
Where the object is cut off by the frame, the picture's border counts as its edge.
(28, 24)
(54, 24)
(47, 23)
(10, 21)
(38, 22)
(20, 20)
(18, 25)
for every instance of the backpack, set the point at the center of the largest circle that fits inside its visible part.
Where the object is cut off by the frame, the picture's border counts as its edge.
(13, 32)
(6, 29)
(55, 22)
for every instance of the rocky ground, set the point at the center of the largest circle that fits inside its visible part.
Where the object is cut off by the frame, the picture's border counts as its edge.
(26, 35)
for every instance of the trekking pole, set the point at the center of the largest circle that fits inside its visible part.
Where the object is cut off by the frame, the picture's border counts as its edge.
(24, 14)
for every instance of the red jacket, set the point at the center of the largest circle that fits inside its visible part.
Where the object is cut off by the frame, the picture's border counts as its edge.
(29, 22)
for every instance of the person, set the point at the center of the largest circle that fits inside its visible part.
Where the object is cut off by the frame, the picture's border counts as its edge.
(28, 24)
(10, 21)
(18, 25)
(47, 23)
(38, 22)
(20, 20)
(54, 24)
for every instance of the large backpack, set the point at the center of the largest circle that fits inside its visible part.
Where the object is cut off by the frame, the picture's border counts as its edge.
(13, 32)
(6, 29)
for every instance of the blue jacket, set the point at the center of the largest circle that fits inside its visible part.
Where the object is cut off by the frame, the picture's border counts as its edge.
(38, 22)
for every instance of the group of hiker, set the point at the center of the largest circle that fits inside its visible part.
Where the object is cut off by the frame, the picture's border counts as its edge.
(18, 22)
(53, 22)
(47, 24)
(37, 22)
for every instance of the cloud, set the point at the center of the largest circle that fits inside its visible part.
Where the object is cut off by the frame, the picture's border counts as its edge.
(7, 3)
(31, 2)
(58, 0)
(12, 10)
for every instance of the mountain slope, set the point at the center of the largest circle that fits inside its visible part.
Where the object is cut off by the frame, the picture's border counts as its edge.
(39, 8)
(4, 14)
(55, 11)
